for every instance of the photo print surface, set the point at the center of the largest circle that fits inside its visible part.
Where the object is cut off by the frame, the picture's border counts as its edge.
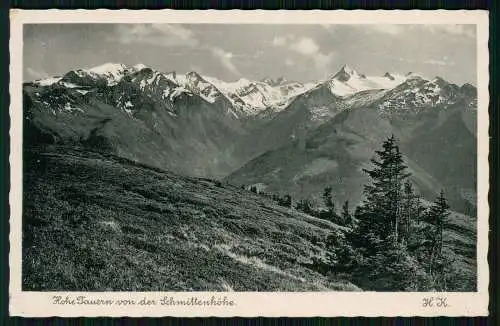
(296, 158)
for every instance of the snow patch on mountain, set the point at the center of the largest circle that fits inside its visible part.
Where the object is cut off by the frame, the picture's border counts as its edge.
(348, 81)
(82, 91)
(417, 92)
(69, 85)
(320, 113)
(253, 96)
(364, 98)
(415, 75)
(275, 82)
(138, 67)
(340, 88)
(177, 92)
(246, 97)
(176, 78)
(111, 72)
(69, 108)
(127, 107)
(109, 69)
(47, 81)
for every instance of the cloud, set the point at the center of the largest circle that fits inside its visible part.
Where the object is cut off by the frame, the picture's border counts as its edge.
(177, 32)
(172, 35)
(443, 62)
(289, 62)
(452, 29)
(164, 35)
(225, 59)
(393, 57)
(402, 59)
(306, 47)
(279, 40)
(323, 61)
(35, 74)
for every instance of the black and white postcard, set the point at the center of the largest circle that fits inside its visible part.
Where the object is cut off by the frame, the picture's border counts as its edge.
(185, 163)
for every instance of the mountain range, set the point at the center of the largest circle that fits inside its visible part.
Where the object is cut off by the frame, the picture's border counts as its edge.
(285, 136)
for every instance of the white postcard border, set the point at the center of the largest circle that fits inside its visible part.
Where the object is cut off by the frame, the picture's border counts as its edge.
(41, 304)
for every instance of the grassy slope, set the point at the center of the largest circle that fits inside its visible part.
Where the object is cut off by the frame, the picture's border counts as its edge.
(100, 223)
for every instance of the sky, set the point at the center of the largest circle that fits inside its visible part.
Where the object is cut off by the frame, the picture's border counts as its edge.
(230, 52)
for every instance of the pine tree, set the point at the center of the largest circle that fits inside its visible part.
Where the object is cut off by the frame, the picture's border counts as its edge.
(305, 206)
(382, 260)
(411, 211)
(407, 210)
(330, 204)
(285, 201)
(380, 214)
(416, 238)
(393, 269)
(346, 215)
(328, 199)
(436, 216)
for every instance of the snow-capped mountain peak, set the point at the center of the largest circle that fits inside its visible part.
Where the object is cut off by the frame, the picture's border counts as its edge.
(439, 81)
(275, 82)
(192, 79)
(345, 73)
(267, 80)
(138, 67)
(109, 68)
(111, 73)
(194, 75)
(243, 82)
(281, 81)
(348, 81)
(389, 76)
(47, 81)
(417, 93)
(415, 75)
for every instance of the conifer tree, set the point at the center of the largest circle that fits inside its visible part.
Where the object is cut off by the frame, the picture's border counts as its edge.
(436, 216)
(286, 201)
(380, 214)
(381, 259)
(330, 204)
(305, 206)
(410, 211)
(346, 215)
